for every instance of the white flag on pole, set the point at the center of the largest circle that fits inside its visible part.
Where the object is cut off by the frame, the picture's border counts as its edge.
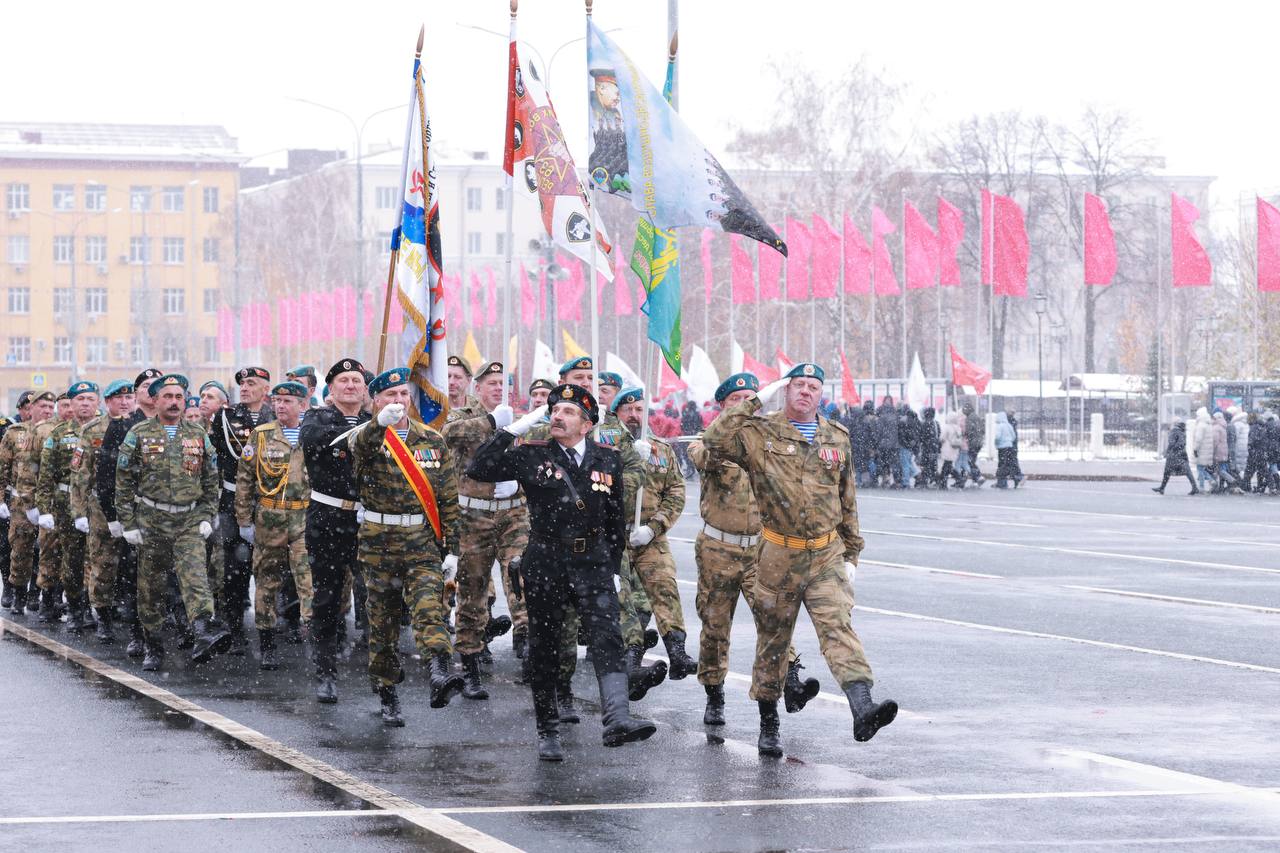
(615, 364)
(544, 363)
(700, 375)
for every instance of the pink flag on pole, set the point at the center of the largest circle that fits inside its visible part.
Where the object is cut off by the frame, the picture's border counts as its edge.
(826, 259)
(950, 236)
(453, 311)
(744, 288)
(769, 262)
(1268, 248)
(1008, 266)
(708, 273)
(491, 298)
(1191, 267)
(569, 291)
(373, 311)
(762, 371)
(622, 306)
(349, 298)
(799, 250)
(920, 256)
(886, 279)
(1099, 242)
(528, 302)
(264, 324)
(226, 330)
(847, 389)
(857, 259)
(477, 301)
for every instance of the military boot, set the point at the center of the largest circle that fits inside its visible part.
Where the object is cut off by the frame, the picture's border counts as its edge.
(520, 643)
(472, 688)
(564, 700)
(390, 706)
(48, 607)
(445, 684)
(650, 638)
(294, 632)
(6, 597)
(75, 618)
(868, 717)
(326, 660)
(19, 606)
(235, 627)
(680, 664)
(103, 634)
(714, 714)
(154, 648)
(496, 627)
(619, 726)
(641, 678)
(770, 742)
(137, 646)
(33, 596)
(87, 622)
(267, 649)
(209, 641)
(544, 710)
(796, 693)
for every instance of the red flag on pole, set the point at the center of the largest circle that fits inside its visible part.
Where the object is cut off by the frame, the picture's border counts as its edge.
(1099, 242)
(1268, 248)
(799, 248)
(920, 255)
(1008, 266)
(785, 362)
(1191, 267)
(762, 371)
(744, 288)
(770, 265)
(857, 260)
(528, 303)
(886, 279)
(967, 373)
(708, 273)
(826, 259)
(950, 236)
(847, 388)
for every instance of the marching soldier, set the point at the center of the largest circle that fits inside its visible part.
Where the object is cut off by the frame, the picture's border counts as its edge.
(19, 470)
(725, 551)
(576, 542)
(802, 477)
(166, 498)
(272, 494)
(460, 386)
(6, 599)
(408, 488)
(48, 543)
(305, 374)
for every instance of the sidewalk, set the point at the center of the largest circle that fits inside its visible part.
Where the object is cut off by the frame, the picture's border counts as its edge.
(1098, 470)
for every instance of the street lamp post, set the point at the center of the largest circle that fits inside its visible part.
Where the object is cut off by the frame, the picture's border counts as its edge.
(1058, 331)
(1042, 302)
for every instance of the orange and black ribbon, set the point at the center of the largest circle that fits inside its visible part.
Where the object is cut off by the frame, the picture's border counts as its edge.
(417, 480)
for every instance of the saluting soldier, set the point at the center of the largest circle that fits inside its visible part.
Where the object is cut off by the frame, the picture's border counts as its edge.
(803, 480)
(725, 551)
(19, 470)
(272, 494)
(407, 485)
(576, 541)
(166, 498)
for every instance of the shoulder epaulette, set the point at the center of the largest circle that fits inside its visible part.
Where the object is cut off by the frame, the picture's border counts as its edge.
(534, 442)
(267, 427)
(844, 429)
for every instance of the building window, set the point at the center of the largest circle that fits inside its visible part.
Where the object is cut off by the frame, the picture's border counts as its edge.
(500, 242)
(174, 250)
(19, 249)
(172, 199)
(95, 250)
(210, 250)
(62, 350)
(18, 197)
(474, 242)
(171, 351)
(135, 349)
(384, 240)
(500, 198)
(64, 250)
(210, 349)
(95, 300)
(210, 199)
(64, 196)
(139, 250)
(19, 300)
(139, 199)
(474, 198)
(385, 198)
(95, 197)
(175, 299)
(95, 350)
(63, 301)
(210, 300)
(138, 302)
(19, 351)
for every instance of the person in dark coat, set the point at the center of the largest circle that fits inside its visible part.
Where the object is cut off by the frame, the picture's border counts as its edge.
(1175, 458)
(864, 445)
(908, 441)
(930, 444)
(887, 468)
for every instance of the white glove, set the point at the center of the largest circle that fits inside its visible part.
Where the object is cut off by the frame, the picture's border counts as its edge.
(504, 490)
(82, 524)
(644, 449)
(617, 584)
(4, 511)
(33, 515)
(115, 528)
(503, 416)
(45, 520)
(391, 414)
(360, 516)
(449, 567)
(246, 533)
(850, 569)
(217, 522)
(527, 422)
(641, 536)
(206, 530)
(768, 392)
(133, 537)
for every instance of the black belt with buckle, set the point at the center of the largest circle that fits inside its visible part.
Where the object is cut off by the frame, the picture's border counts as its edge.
(578, 543)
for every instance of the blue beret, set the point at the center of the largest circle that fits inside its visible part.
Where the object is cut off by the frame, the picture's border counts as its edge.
(627, 395)
(193, 402)
(303, 370)
(389, 379)
(584, 363)
(737, 382)
(608, 377)
(213, 383)
(169, 380)
(119, 386)
(291, 389)
(577, 396)
(325, 393)
(807, 369)
(84, 386)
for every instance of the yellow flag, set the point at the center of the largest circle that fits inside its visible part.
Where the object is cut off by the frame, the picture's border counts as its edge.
(471, 352)
(513, 349)
(571, 348)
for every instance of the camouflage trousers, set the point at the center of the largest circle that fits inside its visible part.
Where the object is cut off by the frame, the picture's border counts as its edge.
(632, 602)
(104, 559)
(170, 541)
(786, 578)
(401, 566)
(282, 549)
(49, 570)
(725, 571)
(656, 568)
(72, 554)
(22, 548)
(486, 537)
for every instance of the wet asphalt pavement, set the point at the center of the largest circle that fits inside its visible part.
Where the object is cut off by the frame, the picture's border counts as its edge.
(1080, 665)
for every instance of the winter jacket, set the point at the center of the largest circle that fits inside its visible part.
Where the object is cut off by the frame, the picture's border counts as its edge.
(909, 430)
(1175, 452)
(1240, 453)
(1221, 449)
(1004, 433)
(975, 431)
(930, 437)
(1273, 438)
(952, 438)
(887, 430)
(1202, 440)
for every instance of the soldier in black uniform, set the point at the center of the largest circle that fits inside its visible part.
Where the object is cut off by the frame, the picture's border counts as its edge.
(577, 534)
(331, 516)
(6, 600)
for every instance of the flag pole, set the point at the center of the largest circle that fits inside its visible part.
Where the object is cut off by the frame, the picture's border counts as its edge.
(595, 237)
(991, 294)
(843, 214)
(902, 206)
(873, 298)
(937, 284)
(509, 193)
(786, 280)
(395, 240)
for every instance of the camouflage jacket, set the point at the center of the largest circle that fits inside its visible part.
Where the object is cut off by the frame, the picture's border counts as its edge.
(468, 409)
(84, 468)
(464, 436)
(56, 449)
(181, 470)
(663, 497)
(19, 467)
(725, 501)
(269, 469)
(802, 489)
(382, 488)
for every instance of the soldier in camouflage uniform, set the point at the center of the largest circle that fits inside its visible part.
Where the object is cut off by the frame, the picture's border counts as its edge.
(399, 551)
(725, 551)
(166, 499)
(19, 470)
(802, 476)
(49, 546)
(272, 493)
(460, 399)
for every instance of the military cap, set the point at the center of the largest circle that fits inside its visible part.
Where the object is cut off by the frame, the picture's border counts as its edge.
(583, 363)
(169, 380)
(193, 402)
(63, 396)
(807, 370)
(389, 379)
(84, 386)
(608, 377)
(43, 397)
(252, 372)
(119, 386)
(302, 370)
(149, 373)
(346, 365)
(489, 367)
(291, 389)
(459, 361)
(368, 376)
(324, 395)
(213, 383)
(576, 395)
(737, 382)
(25, 398)
(541, 383)
(627, 395)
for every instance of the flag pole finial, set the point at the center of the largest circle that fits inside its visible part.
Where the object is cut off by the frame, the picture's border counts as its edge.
(588, 2)
(515, 4)
(675, 44)
(422, 34)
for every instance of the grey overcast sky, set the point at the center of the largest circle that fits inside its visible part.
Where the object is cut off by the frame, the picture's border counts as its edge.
(1199, 77)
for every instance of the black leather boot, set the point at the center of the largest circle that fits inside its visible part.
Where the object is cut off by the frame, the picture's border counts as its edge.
(472, 688)
(103, 634)
(650, 638)
(137, 646)
(390, 706)
(6, 597)
(714, 714)
(520, 644)
(619, 726)
(641, 678)
(796, 693)
(19, 605)
(680, 664)
(267, 649)
(544, 710)
(154, 649)
(445, 684)
(496, 627)
(87, 622)
(564, 701)
(868, 717)
(48, 607)
(770, 742)
(209, 641)
(235, 627)
(326, 671)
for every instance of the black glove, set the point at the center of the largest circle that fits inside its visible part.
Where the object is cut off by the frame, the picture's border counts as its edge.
(514, 582)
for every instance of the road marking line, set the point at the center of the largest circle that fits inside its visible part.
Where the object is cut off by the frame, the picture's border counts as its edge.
(864, 562)
(1175, 598)
(1080, 640)
(434, 823)
(156, 818)
(1150, 774)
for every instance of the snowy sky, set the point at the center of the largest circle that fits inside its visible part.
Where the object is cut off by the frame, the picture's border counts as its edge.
(1198, 77)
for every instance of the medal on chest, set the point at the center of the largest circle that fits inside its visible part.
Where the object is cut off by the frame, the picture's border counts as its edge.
(601, 481)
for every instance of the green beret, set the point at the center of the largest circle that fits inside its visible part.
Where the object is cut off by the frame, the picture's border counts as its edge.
(583, 363)
(291, 389)
(577, 396)
(737, 382)
(807, 369)
(628, 395)
(492, 367)
(119, 386)
(169, 380)
(303, 370)
(84, 386)
(43, 397)
(389, 379)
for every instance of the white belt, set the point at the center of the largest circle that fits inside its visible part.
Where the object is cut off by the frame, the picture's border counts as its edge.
(64, 487)
(490, 506)
(742, 540)
(330, 500)
(228, 485)
(170, 508)
(395, 520)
